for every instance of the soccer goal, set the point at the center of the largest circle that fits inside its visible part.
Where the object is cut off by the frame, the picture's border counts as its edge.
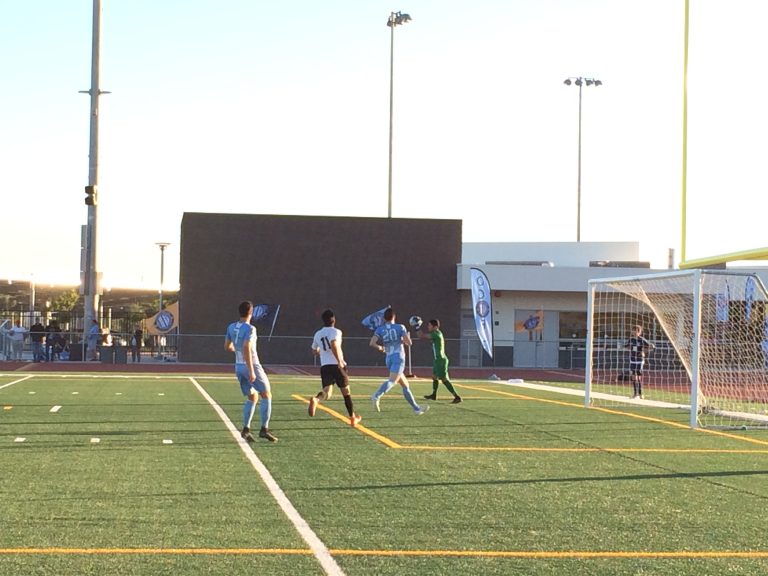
(705, 347)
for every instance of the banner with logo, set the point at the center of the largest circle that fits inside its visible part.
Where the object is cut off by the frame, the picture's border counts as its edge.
(164, 321)
(722, 303)
(375, 319)
(481, 307)
(534, 322)
(749, 297)
(265, 314)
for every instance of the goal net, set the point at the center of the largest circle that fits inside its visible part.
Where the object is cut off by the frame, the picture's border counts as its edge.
(703, 345)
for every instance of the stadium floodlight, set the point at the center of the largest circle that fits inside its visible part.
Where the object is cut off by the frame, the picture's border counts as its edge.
(579, 81)
(162, 246)
(395, 19)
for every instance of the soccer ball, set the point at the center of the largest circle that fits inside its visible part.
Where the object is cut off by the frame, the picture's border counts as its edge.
(415, 322)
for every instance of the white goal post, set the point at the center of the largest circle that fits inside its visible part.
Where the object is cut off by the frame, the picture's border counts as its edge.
(705, 346)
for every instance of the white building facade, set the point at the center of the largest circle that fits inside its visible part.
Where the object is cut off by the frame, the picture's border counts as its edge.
(547, 281)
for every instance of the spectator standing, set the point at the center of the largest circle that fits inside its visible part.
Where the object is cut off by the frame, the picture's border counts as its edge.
(54, 342)
(37, 336)
(94, 334)
(17, 335)
(137, 341)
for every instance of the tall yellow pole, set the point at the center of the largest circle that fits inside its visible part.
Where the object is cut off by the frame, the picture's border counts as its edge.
(685, 136)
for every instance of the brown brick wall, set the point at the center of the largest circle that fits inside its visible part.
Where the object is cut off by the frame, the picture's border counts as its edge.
(309, 263)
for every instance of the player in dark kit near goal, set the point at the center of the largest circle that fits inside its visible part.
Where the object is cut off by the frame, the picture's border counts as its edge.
(638, 348)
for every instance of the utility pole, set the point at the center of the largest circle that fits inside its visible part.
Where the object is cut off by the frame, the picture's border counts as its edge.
(90, 285)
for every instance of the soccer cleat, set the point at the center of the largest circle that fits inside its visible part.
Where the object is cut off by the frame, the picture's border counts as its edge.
(457, 400)
(354, 420)
(375, 402)
(313, 406)
(267, 435)
(430, 397)
(422, 409)
(246, 435)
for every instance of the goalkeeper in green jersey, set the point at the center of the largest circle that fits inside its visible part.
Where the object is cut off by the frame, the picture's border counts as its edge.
(440, 366)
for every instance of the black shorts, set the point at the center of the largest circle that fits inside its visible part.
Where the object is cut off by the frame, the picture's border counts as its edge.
(636, 367)
(332, 374)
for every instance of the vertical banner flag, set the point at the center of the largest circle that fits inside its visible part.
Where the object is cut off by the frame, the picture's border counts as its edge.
(749, 297)
(266, 314)
(722, 300)
(481, 307)
(375, 319)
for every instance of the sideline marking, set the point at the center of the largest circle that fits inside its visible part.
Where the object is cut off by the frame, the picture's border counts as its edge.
(319, 550)
(17, 381)
(55, 409)
(20, 439)
(367, 431)
(95, 440)
(529, 554)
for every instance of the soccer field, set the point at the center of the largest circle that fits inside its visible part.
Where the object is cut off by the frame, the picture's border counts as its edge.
(147, 474)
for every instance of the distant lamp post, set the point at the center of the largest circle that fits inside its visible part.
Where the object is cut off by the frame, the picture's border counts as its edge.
(163, 246)
(395, 19)
(580, 81)
(31, 299)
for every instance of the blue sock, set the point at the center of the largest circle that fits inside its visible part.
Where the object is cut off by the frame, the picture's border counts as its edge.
(383, 389)
(265, 411)
(409, 396)
(248, 410)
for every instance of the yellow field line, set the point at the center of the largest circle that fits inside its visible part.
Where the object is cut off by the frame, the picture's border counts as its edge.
(367, 431)
(619, 450)
(628, 414)
(392, 444)
(530, 554)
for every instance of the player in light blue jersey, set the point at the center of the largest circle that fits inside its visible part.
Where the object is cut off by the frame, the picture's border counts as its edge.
(241, 339)
(390, 338)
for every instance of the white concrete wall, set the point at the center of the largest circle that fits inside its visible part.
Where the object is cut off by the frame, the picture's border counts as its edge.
(568, 254)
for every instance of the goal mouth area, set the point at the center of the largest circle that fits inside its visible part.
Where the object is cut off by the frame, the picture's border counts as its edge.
(695, 340)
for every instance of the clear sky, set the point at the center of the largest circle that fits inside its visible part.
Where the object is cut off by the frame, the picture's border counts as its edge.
(248, 106)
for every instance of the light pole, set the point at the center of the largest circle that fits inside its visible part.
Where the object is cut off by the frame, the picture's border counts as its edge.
(580, 81)
(395, 19)
(90, 286)
(31, 300)
(163, 246)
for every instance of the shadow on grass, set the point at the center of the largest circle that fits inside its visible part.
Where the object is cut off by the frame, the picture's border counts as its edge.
(569, 479)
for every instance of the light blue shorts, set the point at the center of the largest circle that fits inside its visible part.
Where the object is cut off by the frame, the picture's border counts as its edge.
(395, 364)
(261, 384)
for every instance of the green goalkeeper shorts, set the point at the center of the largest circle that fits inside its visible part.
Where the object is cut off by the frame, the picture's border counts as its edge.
(440, 369)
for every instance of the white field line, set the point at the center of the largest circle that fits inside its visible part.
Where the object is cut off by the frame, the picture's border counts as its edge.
(16, 381)
(601, 395)
(319, 549)
(55, 409)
